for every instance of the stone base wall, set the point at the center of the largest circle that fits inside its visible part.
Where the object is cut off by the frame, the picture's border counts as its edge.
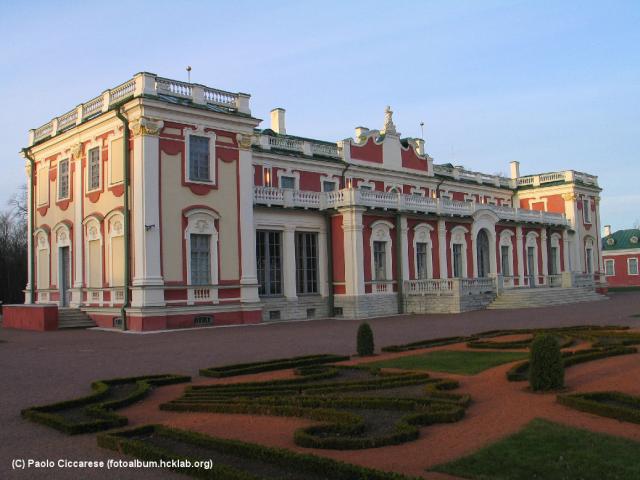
(302, 308)
(364, 306)
(30, 317)
(447, 303)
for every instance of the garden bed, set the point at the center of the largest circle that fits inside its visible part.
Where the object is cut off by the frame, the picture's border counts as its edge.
(616, 405)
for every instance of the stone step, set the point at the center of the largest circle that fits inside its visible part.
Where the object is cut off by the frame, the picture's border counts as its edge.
(543, 297)
(74, 318)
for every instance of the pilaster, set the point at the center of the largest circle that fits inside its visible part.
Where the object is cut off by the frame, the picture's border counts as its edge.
(147, 284)
(565, 251)
(353, 250)
(289, 262)
(520, 252)
(29, 286)
(545, 249)
(404, 248)
(78, 238)
(442, 248)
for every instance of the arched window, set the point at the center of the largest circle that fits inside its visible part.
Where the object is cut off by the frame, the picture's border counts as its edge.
(380, 245)
(458, 246)
(506, 255)
(62, 261)
(532, 257)
(554, 251)
(201, 240)
(43, 263)
(93, 258)
(116, 255)
(422, 247)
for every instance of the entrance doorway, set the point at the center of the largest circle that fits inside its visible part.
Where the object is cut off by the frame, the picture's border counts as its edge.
(482, 253)
(64, 276)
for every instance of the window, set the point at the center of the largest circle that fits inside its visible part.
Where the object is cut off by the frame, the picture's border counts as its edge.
(504, 261)
(200, 259)
(457, 260)
(199, 159)
(609, 268)
(365, 187)
(589, 259)
(422, 261)
(94, 169)
(632, 266)
(306, 262)
(586, 210)
(63, 179)
(553, 265)
(379, 260)
(269, 259)
(287, 182)
(328, 186)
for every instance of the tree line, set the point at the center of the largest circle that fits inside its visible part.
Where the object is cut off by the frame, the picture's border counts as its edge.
(13, 249)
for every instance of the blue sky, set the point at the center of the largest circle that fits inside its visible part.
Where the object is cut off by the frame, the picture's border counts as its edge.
(555, 85)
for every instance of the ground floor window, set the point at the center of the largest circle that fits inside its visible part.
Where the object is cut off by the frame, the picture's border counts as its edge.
(306, 262)
(379, 260)
(553, 267)
(457, 260)
(422, 260)
(269, 262)
(609, 268)
(504, 261)
(632, 266)
(200, 259)
(589, 260)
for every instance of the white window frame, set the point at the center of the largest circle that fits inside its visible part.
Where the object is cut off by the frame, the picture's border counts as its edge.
(532, 241)
(629, 262)
(458, 237)
(199, 132)
(368, 184)
(202, 222)
(586, 210)
(59, 176)
(381, 232)
(289, 173)
(612, 262)
(418, 191)
(555, 243)
(326, 178)
(506, 240)
(94, 145)
(422, 234)
(115, 221)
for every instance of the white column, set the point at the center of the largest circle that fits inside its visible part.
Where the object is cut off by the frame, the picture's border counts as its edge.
(520, 252)
(78, 237)
(249, 277)
(493, 256)
(323, 261)
(289, 262)
(353, 250)
(30, 213)
(544, 248)
(404, 248)
(598, 246)
(147, 279)
(442, 248)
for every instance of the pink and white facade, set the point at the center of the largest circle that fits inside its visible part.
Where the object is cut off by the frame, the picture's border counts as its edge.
(227, 223)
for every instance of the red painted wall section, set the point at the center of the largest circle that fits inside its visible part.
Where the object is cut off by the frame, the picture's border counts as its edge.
(257, 175)
(39, 318)
(309, 181)
(622, 277)
(555, 203)
(378, 185)
(411, 160)
(537, 206)
(369, 152)
(337, 246)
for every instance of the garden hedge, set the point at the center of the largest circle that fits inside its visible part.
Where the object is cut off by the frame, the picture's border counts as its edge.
(365, 346)
(135, 443)
(607, 404)
(279, 364)
(546, 366)
(97, 406)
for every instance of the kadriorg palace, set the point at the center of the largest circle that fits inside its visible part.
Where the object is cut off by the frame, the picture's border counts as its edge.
(162, 204)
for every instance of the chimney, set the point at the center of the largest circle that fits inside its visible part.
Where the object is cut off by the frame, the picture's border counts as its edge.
(607, 230)
(515, 169)
(277, 121)
(361, 131)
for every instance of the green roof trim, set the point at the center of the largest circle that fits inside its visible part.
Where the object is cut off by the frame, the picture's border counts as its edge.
(622, 240)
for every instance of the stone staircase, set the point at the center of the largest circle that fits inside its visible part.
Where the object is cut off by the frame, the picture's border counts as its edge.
(73, 318)
(543, 297)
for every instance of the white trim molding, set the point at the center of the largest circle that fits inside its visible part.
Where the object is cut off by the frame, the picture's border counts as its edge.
(200, 132)
(422, 234)
(381, 232)
(458, 237)
(201, 221)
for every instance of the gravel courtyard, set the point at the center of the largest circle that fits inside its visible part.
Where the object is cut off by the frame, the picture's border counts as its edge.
(38, 368)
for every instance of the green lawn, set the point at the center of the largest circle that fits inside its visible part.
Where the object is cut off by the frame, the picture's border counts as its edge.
(549, 451)
(463, 362)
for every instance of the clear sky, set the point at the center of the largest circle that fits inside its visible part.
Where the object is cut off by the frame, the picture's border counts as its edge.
(553, 84)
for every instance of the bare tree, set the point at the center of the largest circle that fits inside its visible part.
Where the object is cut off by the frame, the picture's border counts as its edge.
(13, 249)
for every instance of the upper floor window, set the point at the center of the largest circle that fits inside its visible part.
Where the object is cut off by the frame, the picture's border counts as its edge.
(632, 266)
(586, 210)
(63, 179)
(199, 159)
(609, 268)
(365, 187)
(287, 182)
(94, 169)
(328, 186)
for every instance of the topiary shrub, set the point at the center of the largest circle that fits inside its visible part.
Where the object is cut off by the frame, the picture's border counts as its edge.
(365, 340)
(546, 370)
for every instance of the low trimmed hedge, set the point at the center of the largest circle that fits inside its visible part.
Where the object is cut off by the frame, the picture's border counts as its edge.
(279, 364)
(520, 371)
(599, 403)
(322, 401)
(132, 442)
(97, 406)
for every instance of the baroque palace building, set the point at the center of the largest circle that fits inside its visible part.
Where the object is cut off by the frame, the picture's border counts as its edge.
(161, 204)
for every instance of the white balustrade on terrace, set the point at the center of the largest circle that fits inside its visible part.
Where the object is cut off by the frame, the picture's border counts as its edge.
(395, 201)
(285, 143)
(449, 286)
(141, 84)
(564, 176)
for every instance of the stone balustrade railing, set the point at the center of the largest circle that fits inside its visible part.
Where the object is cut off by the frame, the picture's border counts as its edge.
(147, 84)
(395, 201)
(449, 286)
(298, 145)
(564, 176)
